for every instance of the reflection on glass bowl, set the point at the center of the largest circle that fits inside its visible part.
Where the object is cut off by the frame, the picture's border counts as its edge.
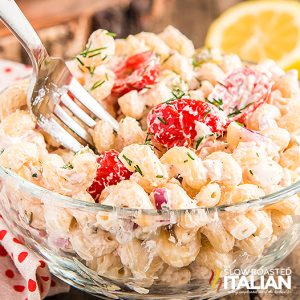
(149, 254)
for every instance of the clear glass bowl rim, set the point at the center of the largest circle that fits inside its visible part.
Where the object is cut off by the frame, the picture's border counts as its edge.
(41, 193)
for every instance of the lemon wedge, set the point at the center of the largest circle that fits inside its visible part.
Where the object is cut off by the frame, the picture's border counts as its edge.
(257, 30)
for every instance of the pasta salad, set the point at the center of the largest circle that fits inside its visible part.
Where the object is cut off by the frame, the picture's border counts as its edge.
(198, 129)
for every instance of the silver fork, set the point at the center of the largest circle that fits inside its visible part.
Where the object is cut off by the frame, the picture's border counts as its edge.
(51, 82)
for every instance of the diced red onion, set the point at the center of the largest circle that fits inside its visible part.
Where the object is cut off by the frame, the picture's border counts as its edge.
(62, 243)
(249, 135)
(160, 198)
(42, 233)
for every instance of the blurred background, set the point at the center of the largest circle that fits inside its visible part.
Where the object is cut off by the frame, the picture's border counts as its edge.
(64, 25)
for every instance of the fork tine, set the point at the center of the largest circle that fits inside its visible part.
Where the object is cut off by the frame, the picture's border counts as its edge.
(77, 111)
(51, 126)
(73, 125)
(90, 103)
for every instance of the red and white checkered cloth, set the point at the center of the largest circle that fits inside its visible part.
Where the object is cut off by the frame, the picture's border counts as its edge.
(23, 276)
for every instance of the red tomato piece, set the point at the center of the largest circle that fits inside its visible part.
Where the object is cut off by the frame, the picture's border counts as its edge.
(110, 171)
(242, 92)
(136, 72)
(179, 122)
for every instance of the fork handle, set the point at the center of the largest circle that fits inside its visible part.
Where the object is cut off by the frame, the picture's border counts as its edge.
(13, 18)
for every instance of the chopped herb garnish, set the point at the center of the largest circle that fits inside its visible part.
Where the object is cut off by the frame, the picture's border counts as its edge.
(251, 172)
(167, 58)
(159, 176)
(199, 141)
(238, 111)
(68, 166)
(1, 151)
(205, 115)
(240, 124)
(148, 139)
(104, 57)
(112, 34)
(91, 53)
(257, 154)
(169, 101)
(97, 84)
(221, 83)
(178, 93)
(162, 120)
(216, 102)
(91, 70)
(79, 60)
(106, 76)
(190, 156)
(185, 161)
(138, 169)
(34, 175)
(197, 63)
(129, 161)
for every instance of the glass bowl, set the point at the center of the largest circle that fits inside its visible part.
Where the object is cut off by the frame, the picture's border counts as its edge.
(149, 254)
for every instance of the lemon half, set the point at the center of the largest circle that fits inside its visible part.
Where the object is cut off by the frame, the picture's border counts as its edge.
(257, 30)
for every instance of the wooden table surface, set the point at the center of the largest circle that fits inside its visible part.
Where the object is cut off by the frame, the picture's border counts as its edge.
(193, 18)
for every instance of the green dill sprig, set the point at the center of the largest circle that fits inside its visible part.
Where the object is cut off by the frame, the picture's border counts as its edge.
(206, 114)
(34, 175)
(200, 140)
(169, 101)
(129, 161)
(177, 94)
(167, 58)
(148, 140)
(221, 83)
(97, 84)
(197, 62)
(216, 102)
(190, 156)
(162, 120)
(159, 176)
(238, 111)
(68, 166)
(1, 151)
(240, 124)
(138, 169)
(251, 172)
(91, 70)
(79, 60)
(112, 34)
(91, 53)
